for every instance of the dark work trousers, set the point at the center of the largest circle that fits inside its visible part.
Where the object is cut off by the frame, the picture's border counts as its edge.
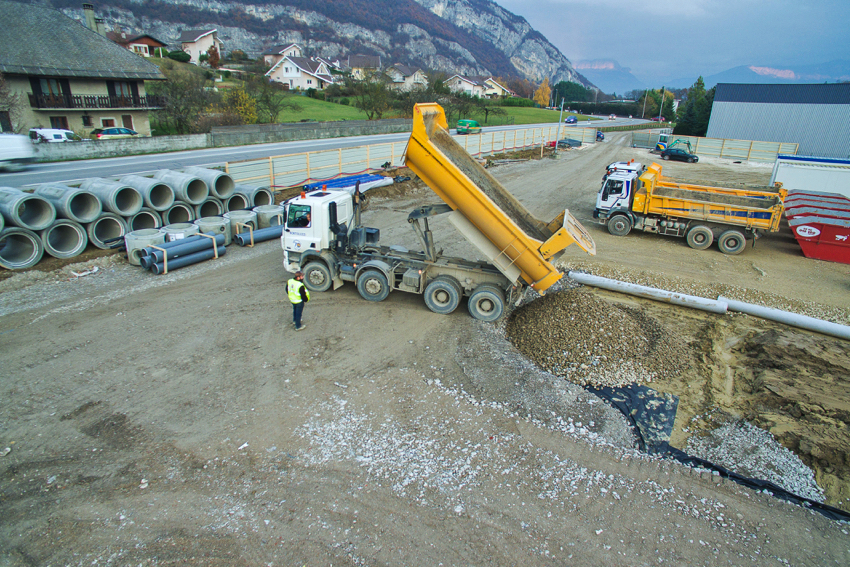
(297, 309)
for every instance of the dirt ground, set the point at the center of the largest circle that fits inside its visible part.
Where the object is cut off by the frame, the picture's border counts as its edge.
(180, 419)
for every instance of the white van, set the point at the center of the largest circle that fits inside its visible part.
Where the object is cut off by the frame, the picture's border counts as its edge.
(15, 152)
(52, 135)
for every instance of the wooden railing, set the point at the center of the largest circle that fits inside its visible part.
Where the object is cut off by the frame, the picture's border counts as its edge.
(95, 101)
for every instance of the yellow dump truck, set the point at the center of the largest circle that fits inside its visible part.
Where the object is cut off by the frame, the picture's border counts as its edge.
(702, 214)
(323, 236)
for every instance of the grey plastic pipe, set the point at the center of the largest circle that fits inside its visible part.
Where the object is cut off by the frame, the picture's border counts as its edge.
(237, 202)
(157, 194)
(20, 249)
(174, 252)
(188, 188)
(221, 184)
(788, 318)
(179, 212)
(711, 305)
(256, 194)
(244, 238)
(146, 218)
(147, 250)
(116, 197)
(188, 260)
(108, 227)
(71, 202)
(212, 207)
(65, 239)
(26, 210)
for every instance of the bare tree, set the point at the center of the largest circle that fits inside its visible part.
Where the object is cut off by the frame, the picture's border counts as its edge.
(372, 95)
(187, 98)
(11, 115)
(271, 98)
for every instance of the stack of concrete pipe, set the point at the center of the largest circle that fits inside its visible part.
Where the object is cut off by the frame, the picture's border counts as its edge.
(62, 220)
(152, 250)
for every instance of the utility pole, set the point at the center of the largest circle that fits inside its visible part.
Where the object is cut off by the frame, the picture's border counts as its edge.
(646, 92)
(558, 130)
(662, 105)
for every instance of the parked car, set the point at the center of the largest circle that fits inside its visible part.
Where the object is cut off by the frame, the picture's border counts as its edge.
(600, 137)
(15, 152)
(39, 135)
(112, 133)
(571, 120)
(680, 155)
(657, 119)
(465, 126)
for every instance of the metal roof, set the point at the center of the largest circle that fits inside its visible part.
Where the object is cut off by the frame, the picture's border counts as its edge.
(45, 42)
(836, 93)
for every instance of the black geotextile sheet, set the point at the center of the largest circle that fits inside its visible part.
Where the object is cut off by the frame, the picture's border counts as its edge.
(652, 415)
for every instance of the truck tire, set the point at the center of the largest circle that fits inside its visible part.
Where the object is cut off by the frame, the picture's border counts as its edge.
(732, 242)
(700, 237)
(619, 225)
(372, 285)
(487, 303)
(443, 295)
(317, 276)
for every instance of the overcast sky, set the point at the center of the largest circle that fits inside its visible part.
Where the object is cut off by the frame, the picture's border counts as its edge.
(669, 39)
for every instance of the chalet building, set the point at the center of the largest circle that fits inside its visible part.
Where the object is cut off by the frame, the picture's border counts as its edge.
(362, 66)
(144, 45)
(406, 78)
(275, 54)
(300, 73)
(77, 79)
(468, 85)
(198, 42)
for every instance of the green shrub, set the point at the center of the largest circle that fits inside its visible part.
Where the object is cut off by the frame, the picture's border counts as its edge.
(344, 100)
(226, 74)
(180, 56)
(518, 101)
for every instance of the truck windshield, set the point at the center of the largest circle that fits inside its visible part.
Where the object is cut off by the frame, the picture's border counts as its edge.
(298, 216)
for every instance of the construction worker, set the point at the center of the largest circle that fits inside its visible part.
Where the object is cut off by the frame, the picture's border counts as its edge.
(298, 295)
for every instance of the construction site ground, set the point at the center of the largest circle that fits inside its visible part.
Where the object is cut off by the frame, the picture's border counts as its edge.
(181, 419)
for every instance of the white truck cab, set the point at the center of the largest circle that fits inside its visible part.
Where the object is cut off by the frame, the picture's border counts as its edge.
(310, 221)
(616, 192)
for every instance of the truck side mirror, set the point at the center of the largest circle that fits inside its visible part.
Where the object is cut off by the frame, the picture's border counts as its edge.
(332, 218)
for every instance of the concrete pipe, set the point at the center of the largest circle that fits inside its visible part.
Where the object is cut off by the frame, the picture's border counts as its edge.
(180, 230)
(116, 197)
(157, 194)
(71, 202)
(788, 318)
(157, 256)
(221, 184)
(146, 218)
(2, 223)
(269, 215)
(188, 260)
(261, 235)
(210, 208)
(65, 239)
(106, 229)
(242, 217)
(216, 225)
(135, 242)
(20, 249)
(188, 188)
(257, 195)
(26, 210)
(179, 212)
(237, 202)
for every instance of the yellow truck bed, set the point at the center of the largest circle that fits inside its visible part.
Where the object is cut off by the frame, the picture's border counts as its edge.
(756, 208)
(522, 243)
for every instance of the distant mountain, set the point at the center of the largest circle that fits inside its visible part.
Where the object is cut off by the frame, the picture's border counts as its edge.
(830, 72)
(609, 76)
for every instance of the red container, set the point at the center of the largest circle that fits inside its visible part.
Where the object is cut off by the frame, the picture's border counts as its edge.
(797, 204)
(795, 212)
(822, 238)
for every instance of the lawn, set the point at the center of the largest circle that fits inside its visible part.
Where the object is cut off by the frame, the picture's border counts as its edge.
(320, 111)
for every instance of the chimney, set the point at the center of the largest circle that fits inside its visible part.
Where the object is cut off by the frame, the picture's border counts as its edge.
(100, 26)
(88, 10)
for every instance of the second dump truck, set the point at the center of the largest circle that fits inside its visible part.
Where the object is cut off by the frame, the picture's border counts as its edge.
(323, 236)
(634, 200)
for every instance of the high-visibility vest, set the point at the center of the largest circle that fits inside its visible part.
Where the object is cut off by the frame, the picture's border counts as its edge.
(293, 289)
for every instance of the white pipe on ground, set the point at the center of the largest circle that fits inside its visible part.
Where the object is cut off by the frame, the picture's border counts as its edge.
(692, 301)
(788, 318)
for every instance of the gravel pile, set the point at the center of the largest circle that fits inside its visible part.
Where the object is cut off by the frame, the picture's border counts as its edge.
(589, 341)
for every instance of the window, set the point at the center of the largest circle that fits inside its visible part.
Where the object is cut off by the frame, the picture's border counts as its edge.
(298, 216)
(5, 121)
(59, 122)
(309, 81)
(87, 121)
(107, 122)
(127, 120)
(51, 87)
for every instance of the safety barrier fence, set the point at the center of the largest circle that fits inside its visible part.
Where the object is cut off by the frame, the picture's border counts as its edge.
(309, 167)
(717, 147)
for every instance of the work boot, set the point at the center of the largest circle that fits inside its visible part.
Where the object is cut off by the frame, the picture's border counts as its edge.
(301, 328)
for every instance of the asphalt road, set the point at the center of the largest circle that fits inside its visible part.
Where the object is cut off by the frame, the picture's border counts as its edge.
(74, 171)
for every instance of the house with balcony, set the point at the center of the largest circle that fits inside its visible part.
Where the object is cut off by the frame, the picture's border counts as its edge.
(198, 42)
(144, 45)
(406, 78)
(278, 52)
(74, 78)
(492, 89)
(467, 85)
(362, 66)
(300, 73)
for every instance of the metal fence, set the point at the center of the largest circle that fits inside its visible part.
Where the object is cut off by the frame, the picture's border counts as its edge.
(294, 170)
(717, 147)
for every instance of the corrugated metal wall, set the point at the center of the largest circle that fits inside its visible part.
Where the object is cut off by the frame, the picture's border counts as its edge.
(819, 129)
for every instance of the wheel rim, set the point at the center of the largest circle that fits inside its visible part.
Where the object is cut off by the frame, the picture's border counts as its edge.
(700, 238)
(441, 297)
(486, 305)
(317, 278)
(373, 286)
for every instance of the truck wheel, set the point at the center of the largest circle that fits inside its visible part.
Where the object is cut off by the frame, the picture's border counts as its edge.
(442, 295)
(487, 303)
(317, 276)
(732, 242)
(619, 225)
(373, 286)
(700, 237)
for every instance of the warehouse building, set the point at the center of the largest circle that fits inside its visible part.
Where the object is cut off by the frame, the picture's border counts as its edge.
(817, 117)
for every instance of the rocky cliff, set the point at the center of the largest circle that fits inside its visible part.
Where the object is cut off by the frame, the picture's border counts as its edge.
(470, 37)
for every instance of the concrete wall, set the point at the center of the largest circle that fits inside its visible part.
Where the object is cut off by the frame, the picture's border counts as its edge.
(91, 149)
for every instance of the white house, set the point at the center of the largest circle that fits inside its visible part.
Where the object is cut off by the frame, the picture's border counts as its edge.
(405, 78)
(198, 42)
(300, 73)
(461, 84)
(492, 89)
(278, 52)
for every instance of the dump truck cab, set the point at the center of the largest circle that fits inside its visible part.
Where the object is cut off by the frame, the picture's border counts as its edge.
(616, 193)
(310, 222)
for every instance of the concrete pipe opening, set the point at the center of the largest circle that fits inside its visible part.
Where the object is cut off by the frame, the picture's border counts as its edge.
(117, 198)
(157, 194)
(84, 207)
(188, 188)
(26, 210)
(72, 203)
(105, 230)
(137, 240)
(238, 202)
(20, 249)
(179, 231)
(180, 212)
(257, 195)
(220, 184)
(65, 239)
(269, 215)
(146, 218)
(210, 208)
